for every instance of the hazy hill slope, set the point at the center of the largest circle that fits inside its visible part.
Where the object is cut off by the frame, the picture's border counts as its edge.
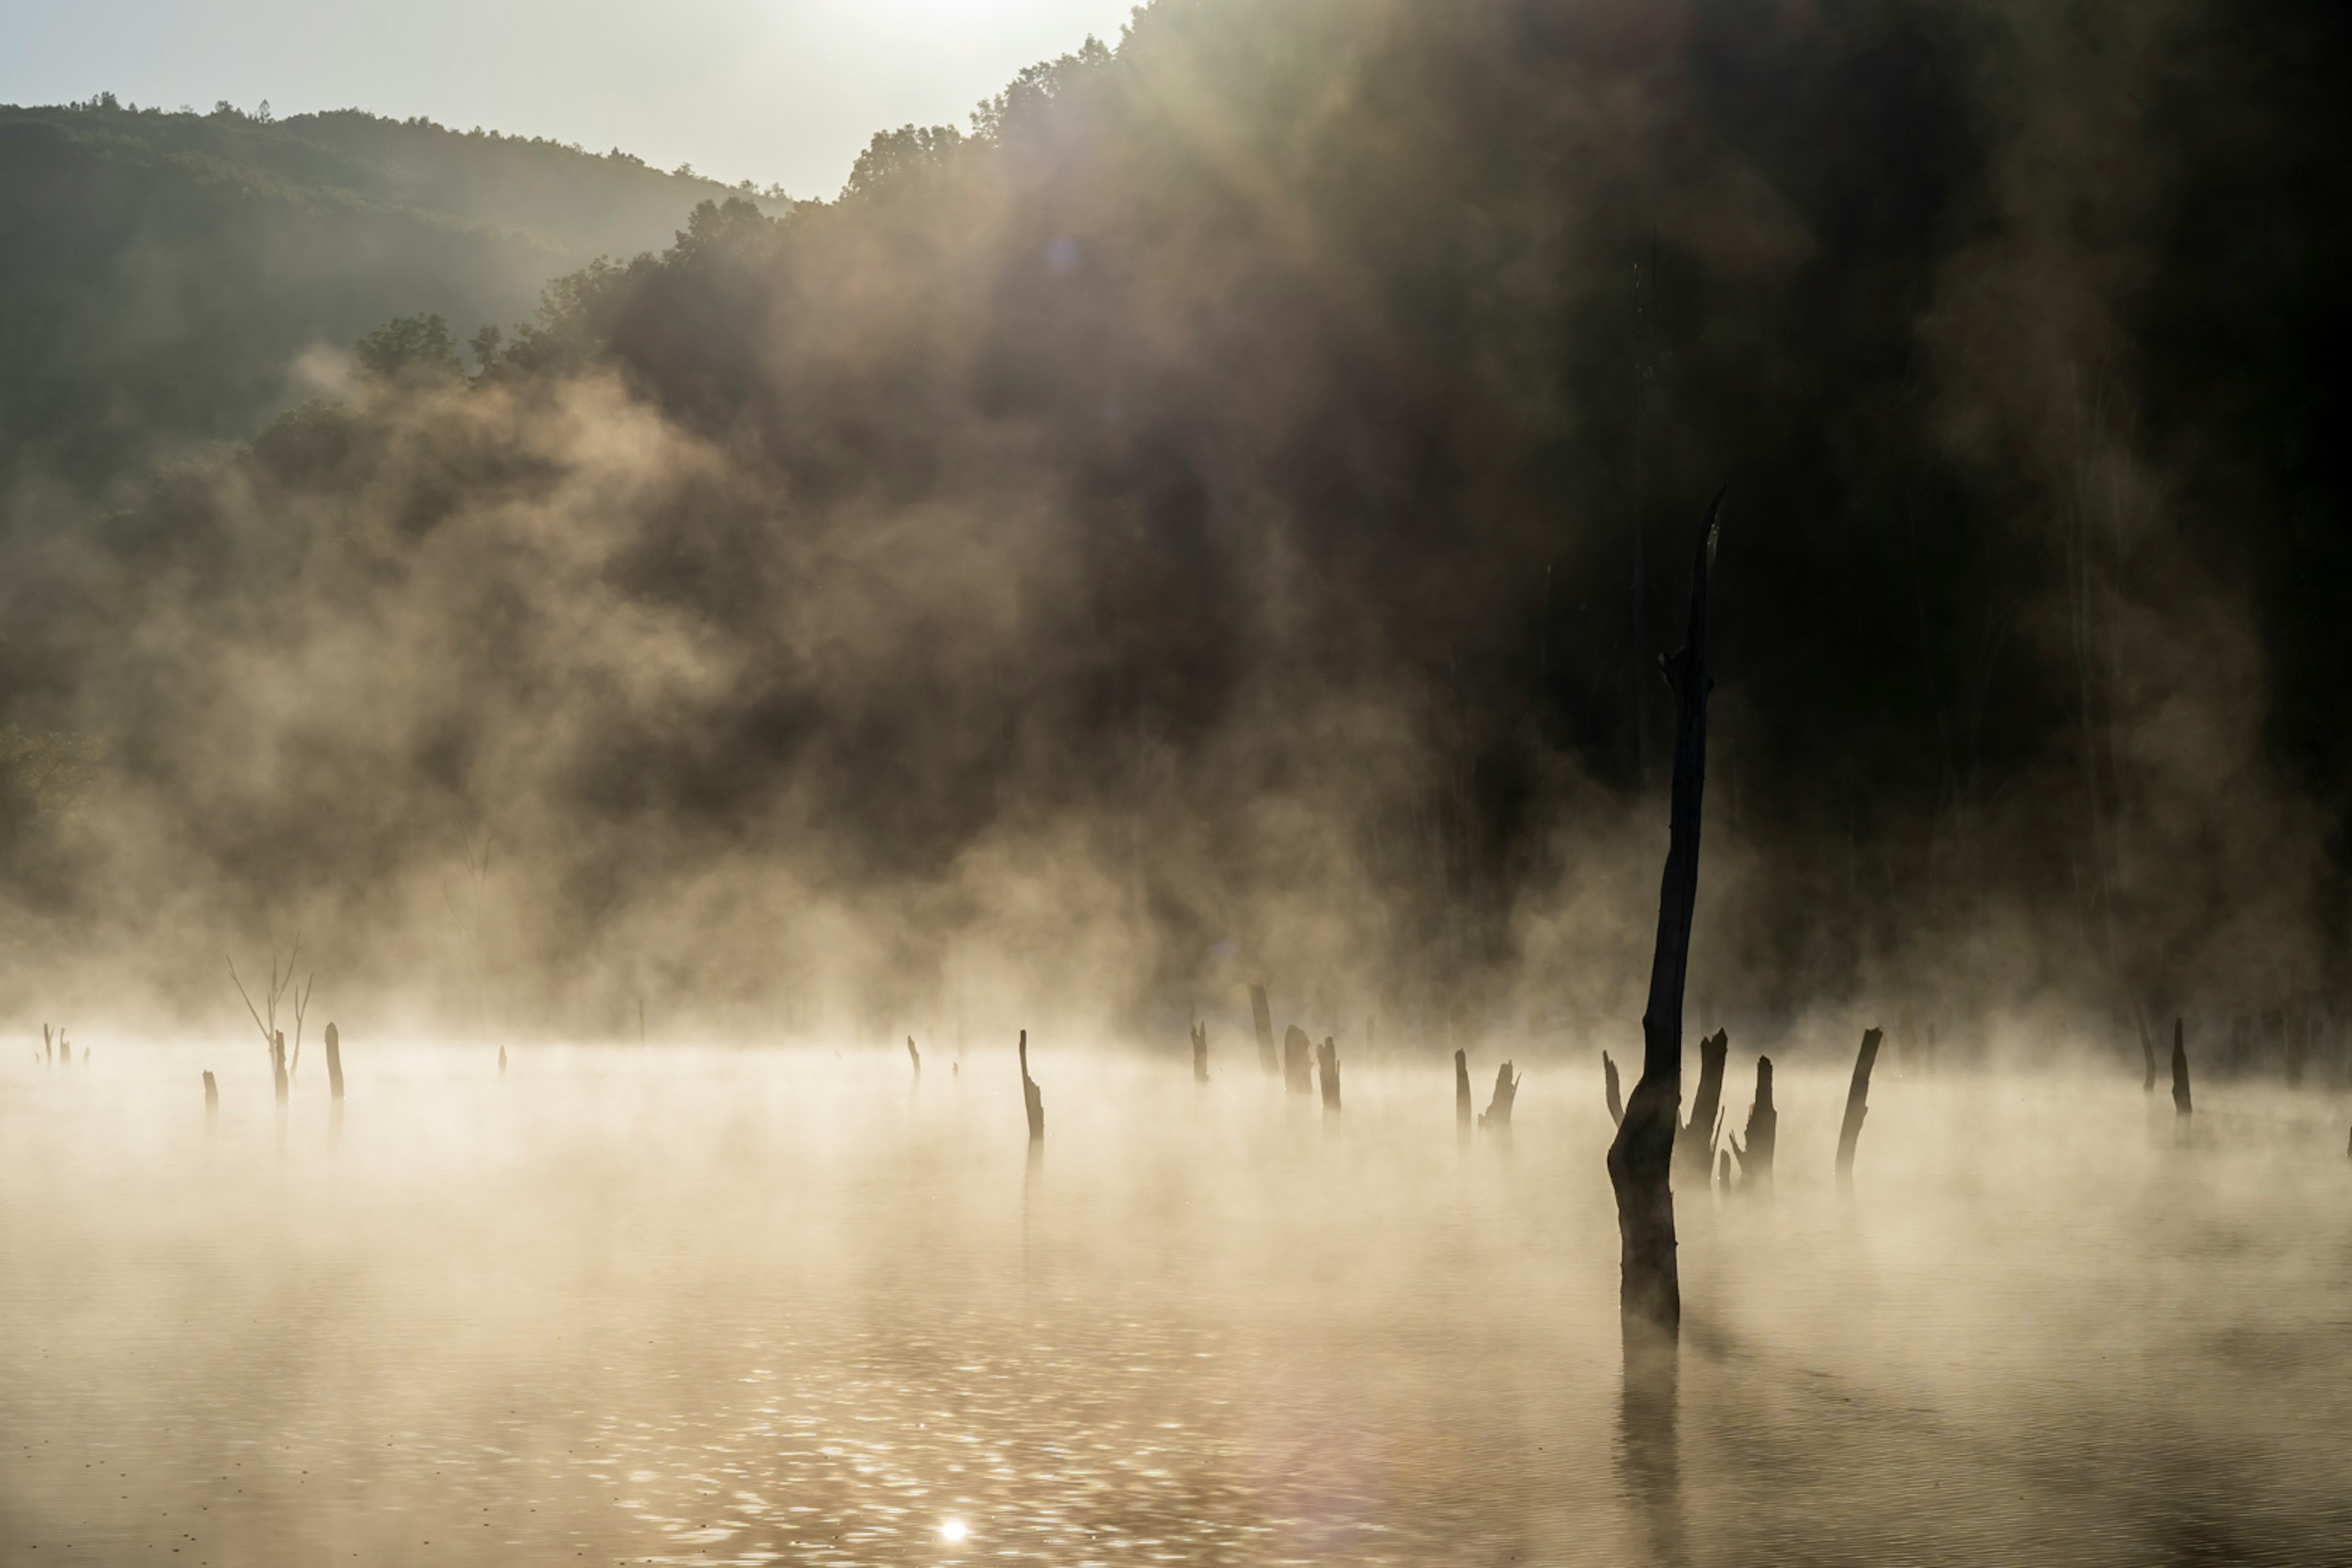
(161, 273)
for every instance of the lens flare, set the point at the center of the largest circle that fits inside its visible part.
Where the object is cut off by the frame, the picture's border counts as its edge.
(953, 1529)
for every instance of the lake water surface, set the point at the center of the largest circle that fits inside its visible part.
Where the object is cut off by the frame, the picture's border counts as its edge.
(738, 1307)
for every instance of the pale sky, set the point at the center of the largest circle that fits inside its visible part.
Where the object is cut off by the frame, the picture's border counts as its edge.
(767, 90)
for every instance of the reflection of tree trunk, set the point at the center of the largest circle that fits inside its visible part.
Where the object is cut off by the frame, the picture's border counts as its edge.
(1641, 1158)
(1651, 1446)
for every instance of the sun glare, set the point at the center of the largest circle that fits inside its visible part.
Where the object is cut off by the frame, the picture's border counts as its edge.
(951, 1530)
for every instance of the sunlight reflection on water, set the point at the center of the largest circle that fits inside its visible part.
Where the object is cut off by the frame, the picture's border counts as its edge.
(720, 1307)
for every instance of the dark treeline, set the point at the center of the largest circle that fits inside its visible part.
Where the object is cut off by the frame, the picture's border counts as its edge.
(1220, 515)
(158, 271)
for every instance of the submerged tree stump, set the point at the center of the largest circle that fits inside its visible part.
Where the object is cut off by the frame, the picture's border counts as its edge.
(913, 1056)
(1200, 1053)
(1857, 1105)
(1263, 1017)
(1763, 1131)
(1461, 1105)
(1497, 1115)
(1641, 1158)
(1327, 1064)
(335, 1063)
(277, 1064)
(1609, 1088)
(211, 1097)
(1031, 1098)
(1297, 1061)
(1695, 1147)
(2180, 1105)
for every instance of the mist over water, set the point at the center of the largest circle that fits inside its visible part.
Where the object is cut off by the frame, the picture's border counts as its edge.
(704, 1304)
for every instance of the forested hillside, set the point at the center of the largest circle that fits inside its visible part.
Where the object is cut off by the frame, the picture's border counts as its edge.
(1220, 515)
(160, 273)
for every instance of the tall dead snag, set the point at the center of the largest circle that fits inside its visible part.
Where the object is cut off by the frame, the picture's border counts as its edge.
(1031, 1099)
(1263, 1017)
(1857, 1104)
(1297, 1061)
(1609, 1088)
(1462, 1090)
(1200, 1053)
(1695, 1149)
(913, 1056)
(1496, 1116)
(265, 1017)
(1641, 1157)
(1763, 1131)
(1327, 1064)
(2180, 1105)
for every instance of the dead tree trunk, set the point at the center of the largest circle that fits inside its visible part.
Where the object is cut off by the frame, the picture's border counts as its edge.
(1261, 1015)
(1327, 1063)
(2180, 1105)
(1497, 1118)
(1608, 1087)
(1763, 1131)
(1641, 1158)
(277, 1064)
(1031, 1099)
(913, 1056)
(1857, 1105)
(1297, 1061)
(1462, 1090)
(1200, 1053)
(1695, 1146)
(334, 1063)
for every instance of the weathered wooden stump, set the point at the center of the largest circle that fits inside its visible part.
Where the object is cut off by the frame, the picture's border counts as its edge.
(1461, 1104)
(1327, 1066)
(278, 1063)
(1200, 1053)
(1695, 1147)
(502, 1060)
(1609, 1088)
(1723, 1170)
(1263, 1017)
(212, 1100)
(334, 1063)
(2180, 1103)
(1496, 1116)
(1297, 1061)
(1857, 1106)
(1641, 1157)
(1763, 1131)
(913, 1056)
(1031, 1098)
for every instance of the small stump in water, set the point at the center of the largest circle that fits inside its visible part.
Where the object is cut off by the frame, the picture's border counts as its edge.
(1763, 1131)
(1327, 1063)
(1200, 1053)
(1031, 1098)
(2180, 1105)
(212, 1100)
(1498, 1116)
(913, 1056)
(1857, 1106)
(1263, 1017)
(278, 1063)
(1297, 1061)
(1462, 1102)
(335, 1062)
